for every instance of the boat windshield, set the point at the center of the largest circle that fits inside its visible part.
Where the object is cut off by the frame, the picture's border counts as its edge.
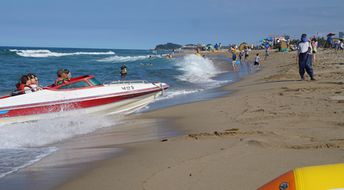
(79, 84)
(94, 82)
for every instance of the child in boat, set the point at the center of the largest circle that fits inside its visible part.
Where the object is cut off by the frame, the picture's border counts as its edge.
(23, 86)
(34, 82)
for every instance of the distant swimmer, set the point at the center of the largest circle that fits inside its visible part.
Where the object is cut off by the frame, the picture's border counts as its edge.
(168, 56)
(123, 72)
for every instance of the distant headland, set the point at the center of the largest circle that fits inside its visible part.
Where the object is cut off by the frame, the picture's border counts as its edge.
(168, 46)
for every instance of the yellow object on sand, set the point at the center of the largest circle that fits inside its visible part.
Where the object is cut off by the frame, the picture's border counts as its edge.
(324, 177)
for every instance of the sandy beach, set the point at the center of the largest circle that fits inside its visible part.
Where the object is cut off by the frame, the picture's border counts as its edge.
(269, 123)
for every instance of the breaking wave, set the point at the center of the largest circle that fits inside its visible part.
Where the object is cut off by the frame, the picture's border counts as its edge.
(116, 58)
(197, 69)
(47, 131)
(48, 53)
(22, 144)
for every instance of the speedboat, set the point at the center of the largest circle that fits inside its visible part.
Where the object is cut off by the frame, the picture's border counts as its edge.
(83, 94)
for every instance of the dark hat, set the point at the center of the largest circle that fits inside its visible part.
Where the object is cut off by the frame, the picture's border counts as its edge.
(303, 35)
(24, 79)
(31, 76)
(59, 72)
(66, 71)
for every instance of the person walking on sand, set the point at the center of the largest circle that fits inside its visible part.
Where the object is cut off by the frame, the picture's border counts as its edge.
(314, 44)
(241, 55)
(341, 45)
(257, 61)
(234, 60)
(266, 46)
(304, 50)
(246, 51)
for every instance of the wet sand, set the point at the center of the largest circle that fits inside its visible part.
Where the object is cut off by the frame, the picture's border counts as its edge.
(83, 152)
(271, 122)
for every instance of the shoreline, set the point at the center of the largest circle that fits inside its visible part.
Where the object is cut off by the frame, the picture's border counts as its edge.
(80, 157)
(276, 125)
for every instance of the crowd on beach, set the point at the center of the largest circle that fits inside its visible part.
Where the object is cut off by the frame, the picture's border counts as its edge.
(305, 47)
(306, 52)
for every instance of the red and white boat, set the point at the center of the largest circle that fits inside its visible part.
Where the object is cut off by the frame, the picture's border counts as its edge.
(80, 95)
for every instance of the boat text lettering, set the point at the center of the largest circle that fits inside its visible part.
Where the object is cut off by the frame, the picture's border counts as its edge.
(128, 87)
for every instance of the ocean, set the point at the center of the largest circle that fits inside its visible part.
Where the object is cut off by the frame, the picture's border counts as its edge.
(26, 143)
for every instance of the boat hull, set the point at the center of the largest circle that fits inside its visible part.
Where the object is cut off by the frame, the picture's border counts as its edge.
(119, 100)
(126, 106)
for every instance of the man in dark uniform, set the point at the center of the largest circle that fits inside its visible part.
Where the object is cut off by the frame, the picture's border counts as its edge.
(304, 50)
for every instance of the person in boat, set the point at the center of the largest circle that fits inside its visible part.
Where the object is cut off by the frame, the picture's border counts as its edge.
(23, 86)
(63, 76)
(123, 72)
(34, 82)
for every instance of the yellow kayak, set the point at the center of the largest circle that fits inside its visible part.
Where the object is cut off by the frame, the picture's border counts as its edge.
(324, 177)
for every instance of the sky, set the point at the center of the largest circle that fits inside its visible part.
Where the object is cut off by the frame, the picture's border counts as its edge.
(142, 24)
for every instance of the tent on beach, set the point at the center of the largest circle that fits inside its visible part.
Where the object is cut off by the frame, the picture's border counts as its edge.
(210, 47)
(284, 46)
(242, 46)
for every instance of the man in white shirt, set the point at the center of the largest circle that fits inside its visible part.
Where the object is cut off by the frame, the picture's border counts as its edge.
(304, 50)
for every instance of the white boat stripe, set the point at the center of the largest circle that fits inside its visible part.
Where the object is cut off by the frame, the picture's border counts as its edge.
(85, 98)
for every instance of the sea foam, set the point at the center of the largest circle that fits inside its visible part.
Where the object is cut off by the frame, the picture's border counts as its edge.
(48, 53)
(22, 144)
(48, 131)
(117, 59)
(197, 69)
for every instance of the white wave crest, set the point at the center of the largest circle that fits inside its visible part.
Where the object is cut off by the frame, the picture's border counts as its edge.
(48, 53)
(47, 131)
(174, 93)
(197, 69)
(116, 59)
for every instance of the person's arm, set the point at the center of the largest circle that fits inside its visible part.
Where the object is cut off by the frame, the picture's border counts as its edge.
(298, 51)
(27, 90)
